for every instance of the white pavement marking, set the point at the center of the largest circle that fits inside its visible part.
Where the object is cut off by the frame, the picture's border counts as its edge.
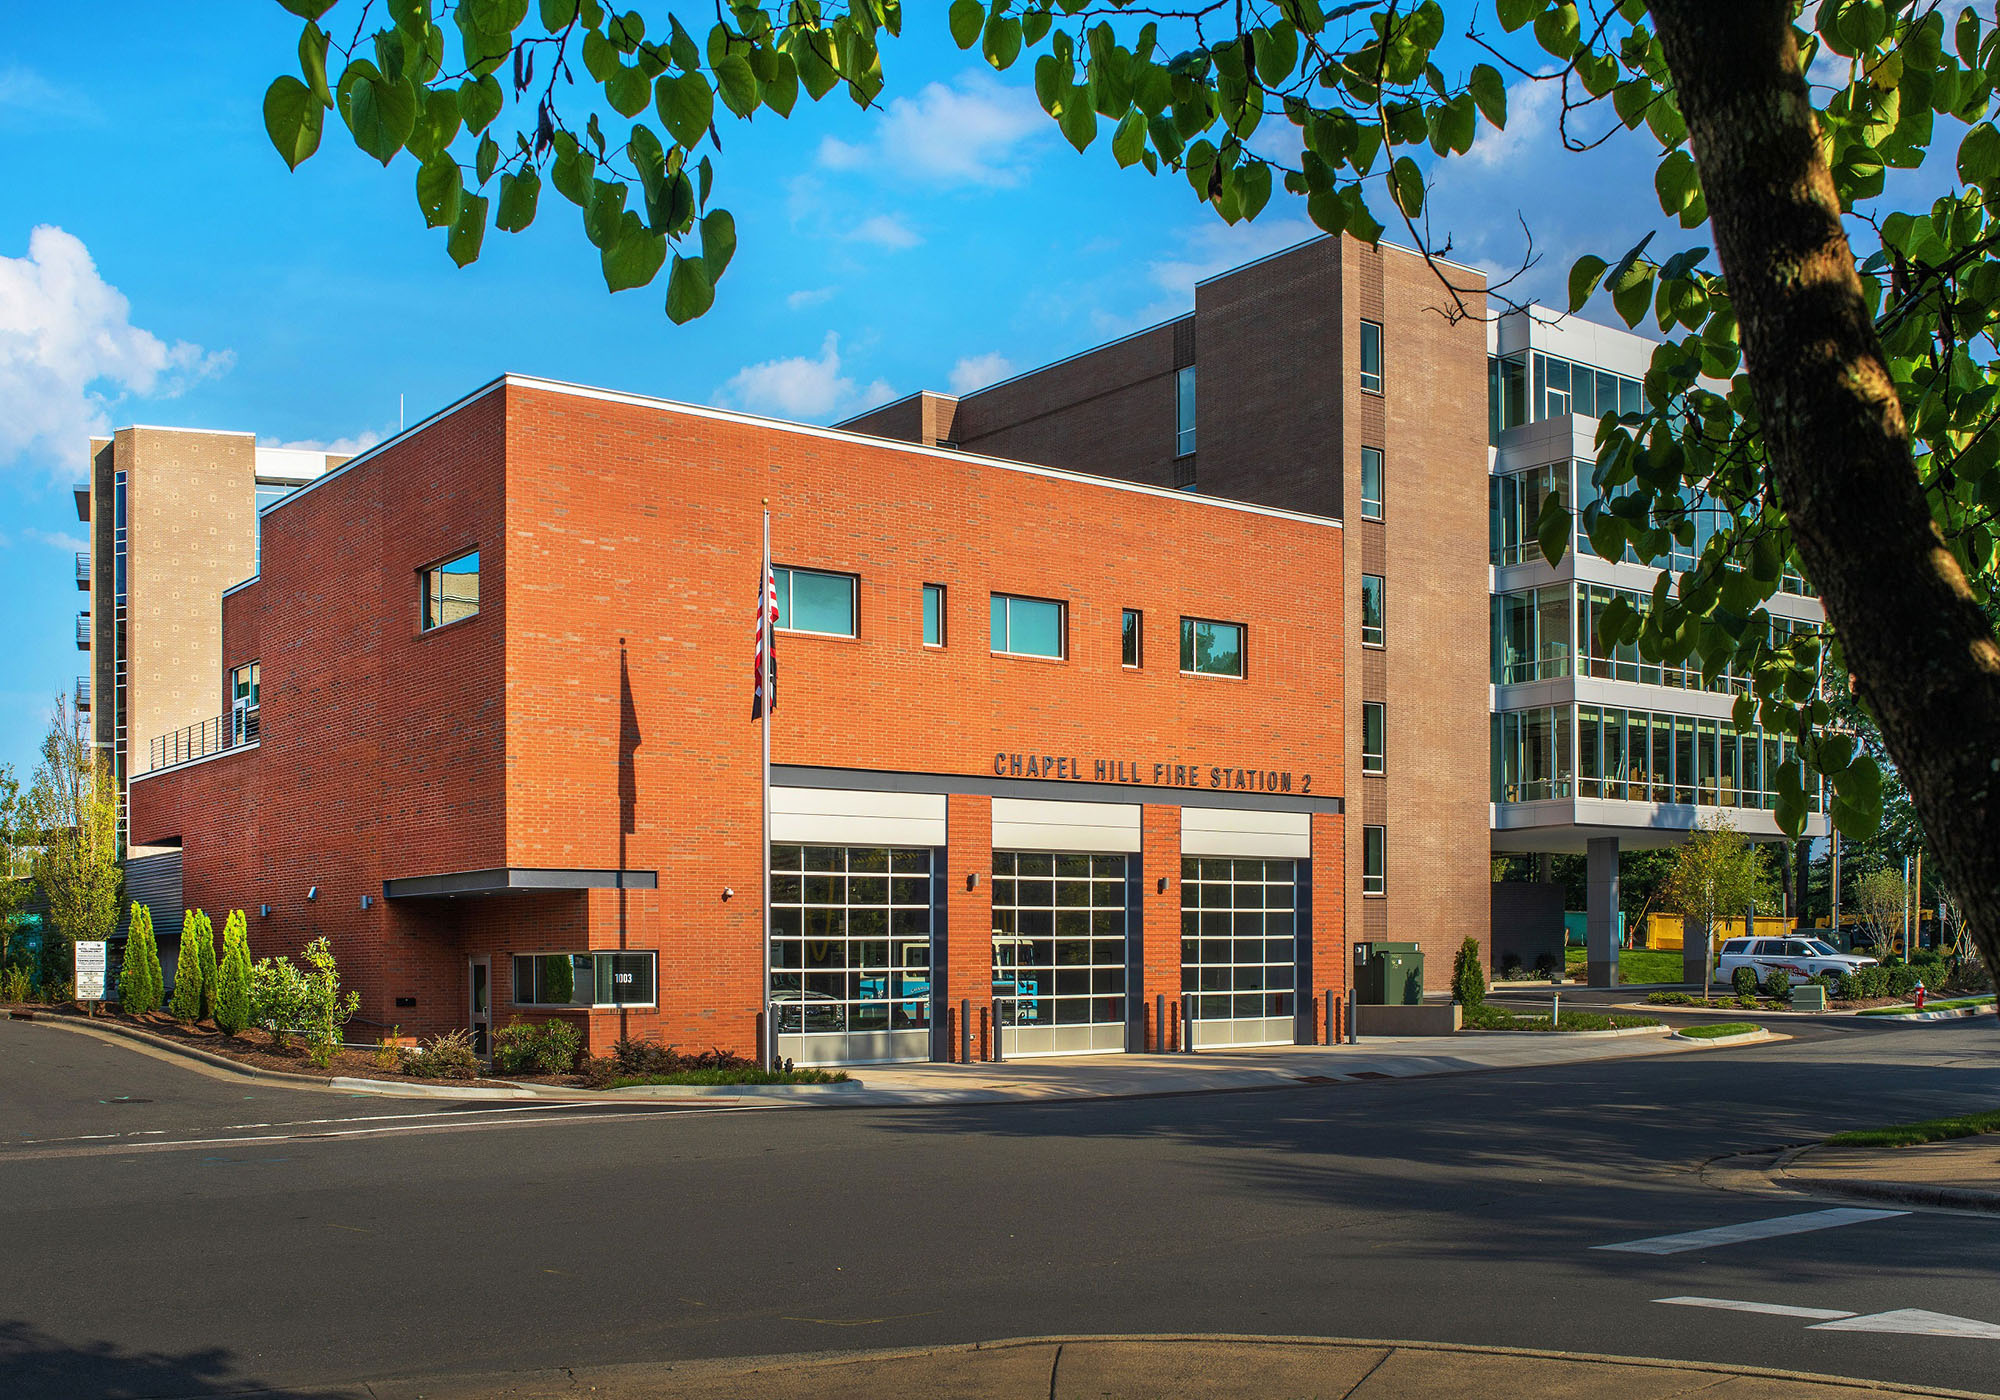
(1738, 1305)
(1916, 1321)
(1751, 1230)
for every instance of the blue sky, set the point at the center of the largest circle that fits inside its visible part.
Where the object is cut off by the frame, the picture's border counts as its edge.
(159, 264)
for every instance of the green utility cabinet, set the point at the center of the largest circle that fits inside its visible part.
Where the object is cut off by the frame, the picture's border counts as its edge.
(1389, 974)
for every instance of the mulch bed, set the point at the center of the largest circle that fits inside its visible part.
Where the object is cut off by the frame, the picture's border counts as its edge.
(255, 1050)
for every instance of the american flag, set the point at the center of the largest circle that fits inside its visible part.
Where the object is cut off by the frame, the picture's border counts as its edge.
(764, 680)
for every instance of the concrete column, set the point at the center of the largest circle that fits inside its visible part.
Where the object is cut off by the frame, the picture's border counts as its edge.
(1601, 916)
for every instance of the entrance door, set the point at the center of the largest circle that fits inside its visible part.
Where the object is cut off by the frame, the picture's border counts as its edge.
(481, 1005)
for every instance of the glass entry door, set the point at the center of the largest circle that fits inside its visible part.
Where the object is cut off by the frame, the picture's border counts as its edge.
(481, 1000)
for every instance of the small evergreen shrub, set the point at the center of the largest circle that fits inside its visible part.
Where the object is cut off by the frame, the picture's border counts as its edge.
(277, 998)
(204, 947)
(1744, 980)
(1468, 975)
(1545, 966)
(447, 1056)
(15, 984)
(232, 977)
(1778, 983)
(326, 1010)
(1747, 1001)
(388, 1054)
(140, 985)
(1670, 999)
(553, 1047)
(189, 996)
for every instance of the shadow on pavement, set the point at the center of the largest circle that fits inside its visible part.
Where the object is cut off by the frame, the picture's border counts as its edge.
(34, 1363)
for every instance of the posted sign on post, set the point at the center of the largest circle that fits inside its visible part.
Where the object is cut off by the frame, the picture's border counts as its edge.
(90, 970)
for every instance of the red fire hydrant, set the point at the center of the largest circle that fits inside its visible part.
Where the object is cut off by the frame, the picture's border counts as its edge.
(1920, 996)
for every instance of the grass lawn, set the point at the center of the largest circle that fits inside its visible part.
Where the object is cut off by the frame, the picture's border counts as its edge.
(1929, 1006)
(1634, 965)
(733, 1076)
(1718, 1030)
(1930, 1130)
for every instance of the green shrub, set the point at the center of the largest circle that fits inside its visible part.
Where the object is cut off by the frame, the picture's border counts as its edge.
(189, 995)
(277, 997)
(15, 984)
(204, 946)
(1468, 975)
(1670, 999)
(1744, 980)
(447, 1056)
(553, 1047)
(1827, 982)
(140, 985)
(326, 1010)
(1746, 1001)
(1778, 983)
(232, 977)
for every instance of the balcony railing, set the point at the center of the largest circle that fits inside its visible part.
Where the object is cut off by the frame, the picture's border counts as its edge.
(83, 631)
(83, 692)
(83, 568)
(210, 736)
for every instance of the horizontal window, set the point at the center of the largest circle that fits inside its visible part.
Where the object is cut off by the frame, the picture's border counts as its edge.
(810, 601)
(1211, 648)
(586, 979)
(1028, 626)
(451, 590)
(1371, 610)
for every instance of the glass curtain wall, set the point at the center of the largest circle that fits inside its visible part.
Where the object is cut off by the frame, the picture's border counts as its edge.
(1531, 635)
(1634, 756)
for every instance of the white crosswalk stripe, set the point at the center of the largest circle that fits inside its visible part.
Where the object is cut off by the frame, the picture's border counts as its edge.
(1750, 1230)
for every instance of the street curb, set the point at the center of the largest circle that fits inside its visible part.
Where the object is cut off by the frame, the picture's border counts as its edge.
(638, 1092)
(1575, 1035)
(664, 1374)
(1741, 1038)
(1902, 1192)
(1952, 1015)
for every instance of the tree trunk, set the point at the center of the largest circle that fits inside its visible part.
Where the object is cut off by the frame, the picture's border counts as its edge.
(1924, 656)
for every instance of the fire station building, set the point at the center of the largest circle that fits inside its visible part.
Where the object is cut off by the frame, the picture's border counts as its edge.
(1052, 744)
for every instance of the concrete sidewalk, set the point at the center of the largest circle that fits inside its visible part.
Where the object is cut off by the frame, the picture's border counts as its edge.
(1960, 1173)
(1158, 1368)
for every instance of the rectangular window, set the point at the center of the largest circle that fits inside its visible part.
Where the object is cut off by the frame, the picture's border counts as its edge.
(1130, 640)
(243, 697)
(811, 601)
(451, 590)
(586, 979)
(1184, 411)
(933, 614)
(1374, 860)
(1371, 610)
(1211, 648)
(1373, 737)
(1028, 626)
(1371, 483)
(1371, 357)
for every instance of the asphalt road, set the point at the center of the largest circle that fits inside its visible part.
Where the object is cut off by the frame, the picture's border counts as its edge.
(251, 1244)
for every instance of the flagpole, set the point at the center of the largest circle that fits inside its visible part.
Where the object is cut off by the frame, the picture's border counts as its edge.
(764, 891)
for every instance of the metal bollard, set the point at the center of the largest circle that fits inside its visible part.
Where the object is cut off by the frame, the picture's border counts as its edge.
(1332, 1017)
(1160, 1021)
(1353, 1033)
(1187, 1024)
(999, 1054)
(965, 1030)
(1555, 1010)
(982, 1034)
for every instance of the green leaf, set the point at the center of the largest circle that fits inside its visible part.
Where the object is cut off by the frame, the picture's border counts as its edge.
(479, 102)
(686, 105)
(1979, 156)
(1078, 120)
(307, 9)
(1515, 13)
(1003, 41)
(518, 194)
(468, 230)
(380, 113)
(312, 62)
(626, 89)
(718, 242)
(603, 211)
(1552, 528)
(487, 158)
(967, 18)
(1490, 92)
(293, 117)
(690, 292)
(1556, 30)
(736, 83)
(781, 89)
(1406, 186)
(634, 258)
(1631, 293)
(1583, 275)
(557, 14)
(1128, 143)
(439, 188)
(1253, 187)
(1277, 51)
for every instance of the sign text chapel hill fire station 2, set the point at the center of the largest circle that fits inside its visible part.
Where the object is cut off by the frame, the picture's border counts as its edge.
(1182, 774)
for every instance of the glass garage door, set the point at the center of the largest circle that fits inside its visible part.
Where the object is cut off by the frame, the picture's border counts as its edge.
(1059, 951)
(851, 953)
(1239, 958)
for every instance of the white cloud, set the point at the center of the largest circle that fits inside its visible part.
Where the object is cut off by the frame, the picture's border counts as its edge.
(1213, 246)
(968, 133)
(340, 446)
(885, 231)
(25, 92)
(1530, 105)
(803, 388)
(56, 539)
(978, 371)
(69, 351)
(809, 296)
